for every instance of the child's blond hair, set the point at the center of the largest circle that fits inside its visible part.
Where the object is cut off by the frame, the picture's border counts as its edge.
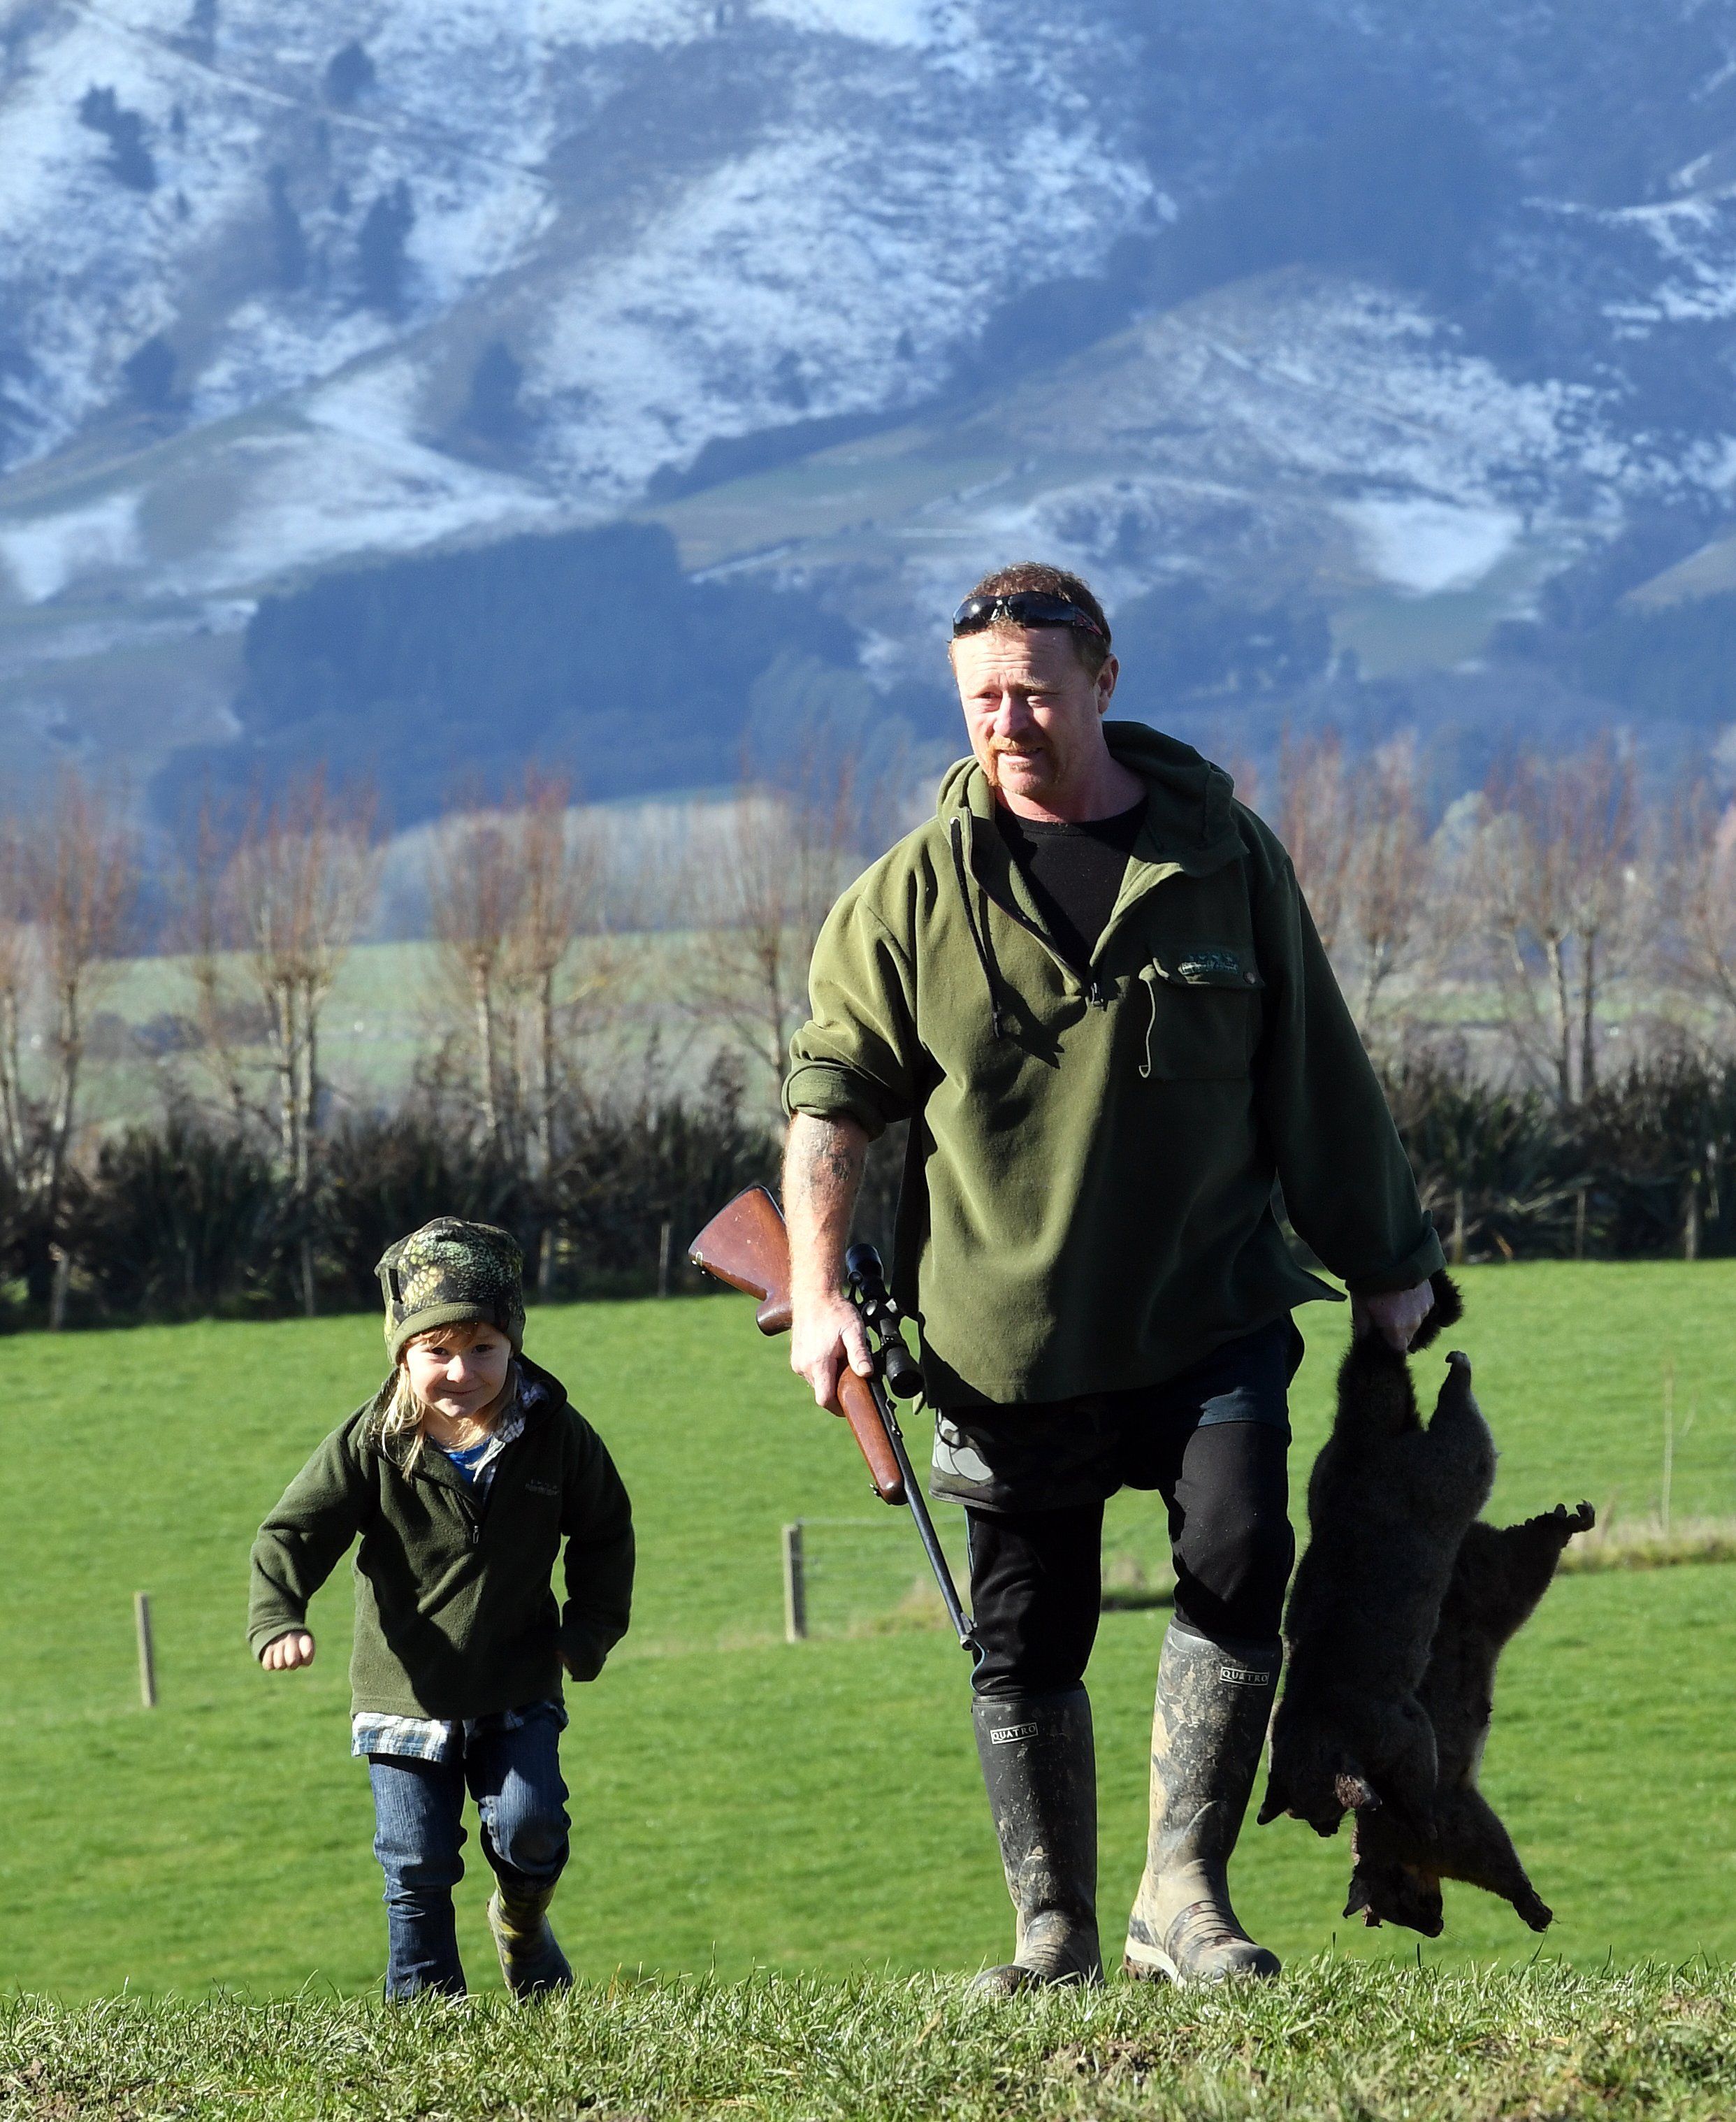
(402, 1417)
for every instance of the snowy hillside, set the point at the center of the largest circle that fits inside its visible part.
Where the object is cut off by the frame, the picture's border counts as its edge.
(760, 255)
(1308, 303)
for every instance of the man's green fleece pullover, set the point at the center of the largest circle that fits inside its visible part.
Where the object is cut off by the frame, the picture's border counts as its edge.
(1088, 1201)
(455, 1612)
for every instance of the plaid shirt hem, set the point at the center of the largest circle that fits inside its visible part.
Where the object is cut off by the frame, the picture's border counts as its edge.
(439, 1738)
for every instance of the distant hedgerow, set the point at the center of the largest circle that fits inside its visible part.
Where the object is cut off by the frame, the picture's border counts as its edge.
(187, 1220)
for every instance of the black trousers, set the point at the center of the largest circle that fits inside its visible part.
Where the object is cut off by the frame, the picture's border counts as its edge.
(1214, 1444)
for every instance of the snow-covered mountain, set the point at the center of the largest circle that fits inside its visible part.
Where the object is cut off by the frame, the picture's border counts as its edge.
(1386, 314)
(676, 225)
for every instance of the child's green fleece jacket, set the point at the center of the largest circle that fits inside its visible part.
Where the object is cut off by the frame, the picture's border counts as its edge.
(454, 1613)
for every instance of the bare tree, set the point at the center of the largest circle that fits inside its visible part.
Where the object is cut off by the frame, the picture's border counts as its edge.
(281, 904)
(559, 899)
(1702, 895)
(476, 891)
(549, 911)
(1317, 822)
(1387, 875)
(299, 883)
(1519, 869)
(511, 888)
(68, 880)
(1609, 906)
(783, 856)
(17, 969)
(84, 880)
(212, 935)
(1561, 883)
(1360, 846)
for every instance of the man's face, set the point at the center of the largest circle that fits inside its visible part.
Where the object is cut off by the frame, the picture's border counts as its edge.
(1033, 712)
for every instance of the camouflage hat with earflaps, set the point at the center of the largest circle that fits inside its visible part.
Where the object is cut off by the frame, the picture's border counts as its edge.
(451, 1271)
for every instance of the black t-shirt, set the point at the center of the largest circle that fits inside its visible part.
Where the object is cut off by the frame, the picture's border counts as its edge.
(1075, 873)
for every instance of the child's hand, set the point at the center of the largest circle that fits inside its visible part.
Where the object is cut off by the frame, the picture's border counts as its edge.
(284, 1653)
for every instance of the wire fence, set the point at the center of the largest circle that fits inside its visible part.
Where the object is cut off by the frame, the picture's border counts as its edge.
(863, 1577)
(867, 1576)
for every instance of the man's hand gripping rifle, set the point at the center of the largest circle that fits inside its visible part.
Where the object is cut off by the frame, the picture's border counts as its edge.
(746, 1245)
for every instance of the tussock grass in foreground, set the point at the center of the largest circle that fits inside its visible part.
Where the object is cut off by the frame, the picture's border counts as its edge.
(1650, 1546)
(1132, 1585)
(1333, 2039)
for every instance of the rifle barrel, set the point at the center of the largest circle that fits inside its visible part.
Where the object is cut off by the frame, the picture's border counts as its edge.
(962, 1626)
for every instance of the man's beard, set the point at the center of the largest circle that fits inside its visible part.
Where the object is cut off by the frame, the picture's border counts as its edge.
(997, 752)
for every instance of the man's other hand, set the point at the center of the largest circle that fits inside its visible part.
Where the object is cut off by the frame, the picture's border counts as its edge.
(1395, 1315)
(826, 1333)
(284, 1653)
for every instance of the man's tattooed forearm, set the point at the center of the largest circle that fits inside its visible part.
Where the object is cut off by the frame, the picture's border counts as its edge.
(824, 1163)
(833, 1154)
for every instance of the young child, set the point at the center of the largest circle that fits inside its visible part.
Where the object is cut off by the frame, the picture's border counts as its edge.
(461, 1476)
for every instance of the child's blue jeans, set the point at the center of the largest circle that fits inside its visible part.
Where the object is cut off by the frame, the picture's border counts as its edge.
(514, 1777)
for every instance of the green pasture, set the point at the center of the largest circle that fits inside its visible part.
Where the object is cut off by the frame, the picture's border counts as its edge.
(741, 1803)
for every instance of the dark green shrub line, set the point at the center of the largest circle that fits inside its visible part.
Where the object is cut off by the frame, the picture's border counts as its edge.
(184, 1220)
(1643, 1169)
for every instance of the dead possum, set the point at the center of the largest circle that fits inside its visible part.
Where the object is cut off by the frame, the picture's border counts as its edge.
(1500, 1574)
(1388, 1502)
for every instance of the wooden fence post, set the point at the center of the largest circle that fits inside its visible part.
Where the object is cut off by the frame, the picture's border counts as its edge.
(795, 1588)
(147, 1649)
(59, 1285)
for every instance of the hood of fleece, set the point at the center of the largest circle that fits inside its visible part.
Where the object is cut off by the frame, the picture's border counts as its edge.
(1189, 813)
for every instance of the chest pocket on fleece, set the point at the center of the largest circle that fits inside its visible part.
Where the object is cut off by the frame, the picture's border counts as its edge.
(1204, 1018)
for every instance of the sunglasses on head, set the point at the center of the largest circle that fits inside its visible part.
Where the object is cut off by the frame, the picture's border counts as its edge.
(1022, 608)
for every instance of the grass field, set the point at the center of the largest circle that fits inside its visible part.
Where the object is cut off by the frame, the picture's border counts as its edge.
(740, 1804)
(1334, 2042)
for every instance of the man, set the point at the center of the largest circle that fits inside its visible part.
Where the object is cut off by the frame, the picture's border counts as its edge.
(1092, 985)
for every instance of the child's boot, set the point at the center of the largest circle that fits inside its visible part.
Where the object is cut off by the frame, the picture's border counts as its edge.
(531, 1959)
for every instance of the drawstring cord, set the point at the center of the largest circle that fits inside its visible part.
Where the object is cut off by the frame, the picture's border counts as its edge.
(1148, 973)
(956, 836)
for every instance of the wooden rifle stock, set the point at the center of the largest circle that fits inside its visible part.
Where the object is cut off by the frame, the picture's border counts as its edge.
(746, 1244)
(855, 1402)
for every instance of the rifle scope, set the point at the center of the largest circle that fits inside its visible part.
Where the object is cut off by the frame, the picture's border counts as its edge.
(868, 1287)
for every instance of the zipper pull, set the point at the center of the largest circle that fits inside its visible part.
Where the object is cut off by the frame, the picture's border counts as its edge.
(1096, 996)
(1150, 975)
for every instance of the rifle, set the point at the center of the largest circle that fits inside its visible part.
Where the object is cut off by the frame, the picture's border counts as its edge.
(746, 1244)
